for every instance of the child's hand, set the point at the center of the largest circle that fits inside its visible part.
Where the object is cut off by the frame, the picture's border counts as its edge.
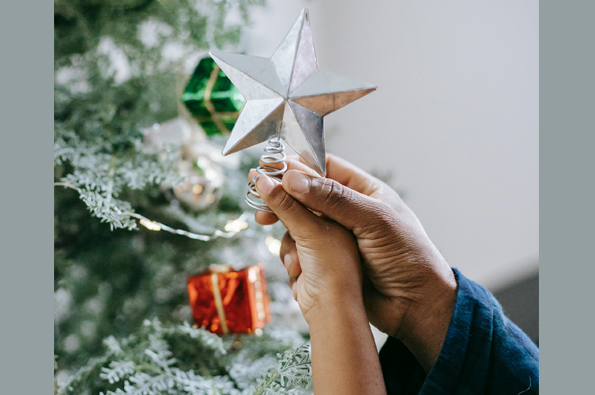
(326, 277)
(324, 264)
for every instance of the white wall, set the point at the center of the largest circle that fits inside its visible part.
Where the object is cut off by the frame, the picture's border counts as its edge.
(455, 116)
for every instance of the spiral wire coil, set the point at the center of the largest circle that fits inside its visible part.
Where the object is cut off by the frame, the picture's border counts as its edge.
(274, 154)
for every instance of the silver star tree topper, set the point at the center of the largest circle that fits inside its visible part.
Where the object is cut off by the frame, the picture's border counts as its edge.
(287, 95)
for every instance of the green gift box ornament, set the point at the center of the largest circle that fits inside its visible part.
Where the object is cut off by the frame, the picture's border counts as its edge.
(212, 99)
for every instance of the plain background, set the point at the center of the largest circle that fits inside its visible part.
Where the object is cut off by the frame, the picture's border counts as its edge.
(455, 118)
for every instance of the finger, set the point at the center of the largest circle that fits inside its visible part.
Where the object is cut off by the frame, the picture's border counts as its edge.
(292, 280)
(299, 221)
(251, 174)
(288, 250)
(294, 162)
(294, 287)
(290, 258)
(262, 217)
(269, 167)
(291, 261)
(340, 203)
(346, 174)
(294, 269)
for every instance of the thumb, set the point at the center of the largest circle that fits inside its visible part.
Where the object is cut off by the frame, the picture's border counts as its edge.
(343, 205)
(301, 223)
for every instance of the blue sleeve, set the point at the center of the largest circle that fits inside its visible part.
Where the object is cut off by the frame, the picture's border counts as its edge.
(483, 353)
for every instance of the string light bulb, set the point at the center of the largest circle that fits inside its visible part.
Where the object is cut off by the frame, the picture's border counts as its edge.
(151, 225)
(236, 225)
(197, 189)
(273, 245)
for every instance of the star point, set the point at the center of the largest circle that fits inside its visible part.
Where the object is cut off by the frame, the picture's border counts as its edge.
(289, 90)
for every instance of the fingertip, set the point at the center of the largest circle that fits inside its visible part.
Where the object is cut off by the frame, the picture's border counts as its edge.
(264, 218)
(296, 181)
(287, 259)
(252, 173)
(265, 184)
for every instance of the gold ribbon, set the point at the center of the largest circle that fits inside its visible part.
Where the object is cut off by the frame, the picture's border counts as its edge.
(216, 117)
(219, 302)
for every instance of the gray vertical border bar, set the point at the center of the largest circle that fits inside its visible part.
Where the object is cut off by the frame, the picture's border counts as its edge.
(26, 197)
(567, 235)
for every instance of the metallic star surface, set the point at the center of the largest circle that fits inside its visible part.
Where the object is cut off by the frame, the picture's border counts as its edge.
(287, 95)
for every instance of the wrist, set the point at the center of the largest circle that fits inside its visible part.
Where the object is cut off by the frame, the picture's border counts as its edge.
(335, 303)
(427, 319)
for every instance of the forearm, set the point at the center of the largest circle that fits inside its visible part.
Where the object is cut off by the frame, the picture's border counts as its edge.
(344, 356)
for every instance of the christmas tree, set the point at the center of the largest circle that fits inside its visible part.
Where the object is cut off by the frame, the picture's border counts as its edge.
(143, 199)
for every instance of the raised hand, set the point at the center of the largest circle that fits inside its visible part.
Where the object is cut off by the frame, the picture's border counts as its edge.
(409, 289)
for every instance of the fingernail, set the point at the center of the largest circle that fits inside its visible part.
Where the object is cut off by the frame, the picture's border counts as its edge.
(298, 182)
(264, 184)
(287, 259)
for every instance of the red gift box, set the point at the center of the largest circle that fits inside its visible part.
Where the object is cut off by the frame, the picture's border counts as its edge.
(225, 301)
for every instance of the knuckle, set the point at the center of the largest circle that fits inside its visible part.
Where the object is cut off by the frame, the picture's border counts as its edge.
(332, 193)
(282, 201)
(380, 213)
(378, 217)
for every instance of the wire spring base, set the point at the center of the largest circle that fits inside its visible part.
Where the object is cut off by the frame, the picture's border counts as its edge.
(274, 154)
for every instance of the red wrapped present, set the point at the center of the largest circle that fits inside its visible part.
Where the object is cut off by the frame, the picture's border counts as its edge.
(225, 301)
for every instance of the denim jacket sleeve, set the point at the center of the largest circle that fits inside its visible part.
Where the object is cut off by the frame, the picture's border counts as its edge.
(483, 353)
